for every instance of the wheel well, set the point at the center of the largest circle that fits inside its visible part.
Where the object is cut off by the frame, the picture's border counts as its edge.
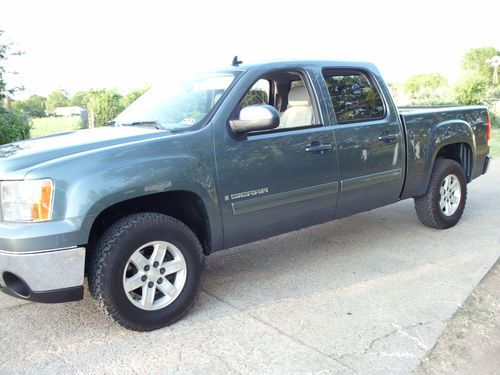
(182, 205)
(461, 153)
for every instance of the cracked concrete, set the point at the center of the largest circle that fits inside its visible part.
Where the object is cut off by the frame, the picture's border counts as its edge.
(367, 294)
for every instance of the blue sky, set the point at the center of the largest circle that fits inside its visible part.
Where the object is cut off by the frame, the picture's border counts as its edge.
(78, 45)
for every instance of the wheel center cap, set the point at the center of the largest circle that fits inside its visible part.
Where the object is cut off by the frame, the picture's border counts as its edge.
(153, 274)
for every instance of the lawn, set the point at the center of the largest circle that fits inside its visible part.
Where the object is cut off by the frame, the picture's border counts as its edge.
(51, 125)
(495, 142)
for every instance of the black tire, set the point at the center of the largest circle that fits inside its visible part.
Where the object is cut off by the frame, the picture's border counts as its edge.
(111, 256)
(427, 206)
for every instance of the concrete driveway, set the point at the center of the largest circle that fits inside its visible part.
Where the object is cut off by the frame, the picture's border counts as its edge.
(366, 294)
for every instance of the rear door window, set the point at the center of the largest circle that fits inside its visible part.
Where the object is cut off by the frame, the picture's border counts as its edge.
(354, 96)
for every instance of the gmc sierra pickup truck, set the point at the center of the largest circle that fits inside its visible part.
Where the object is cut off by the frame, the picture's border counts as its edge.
(218, 160)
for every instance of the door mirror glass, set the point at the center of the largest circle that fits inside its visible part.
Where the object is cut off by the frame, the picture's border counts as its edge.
(255, 118)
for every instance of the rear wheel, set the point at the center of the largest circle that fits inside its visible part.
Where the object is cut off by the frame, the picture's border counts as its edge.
(146, 270)
(443, 204)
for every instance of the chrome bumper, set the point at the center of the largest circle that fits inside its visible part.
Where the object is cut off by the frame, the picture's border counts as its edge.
(43, 276)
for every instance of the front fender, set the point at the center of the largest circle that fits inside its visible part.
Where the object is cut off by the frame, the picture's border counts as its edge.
(88, 183)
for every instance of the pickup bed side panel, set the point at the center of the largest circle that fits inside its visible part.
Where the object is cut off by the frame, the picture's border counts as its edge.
(427, 131)
(88, 183)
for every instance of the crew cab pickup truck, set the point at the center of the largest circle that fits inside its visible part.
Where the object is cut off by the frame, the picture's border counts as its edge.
(218, 160)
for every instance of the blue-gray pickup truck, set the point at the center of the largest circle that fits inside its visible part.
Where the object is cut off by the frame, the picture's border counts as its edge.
(217, 160)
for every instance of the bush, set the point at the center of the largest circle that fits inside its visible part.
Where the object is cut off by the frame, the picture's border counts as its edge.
(105, 105)
(472, 90)
(12, 127)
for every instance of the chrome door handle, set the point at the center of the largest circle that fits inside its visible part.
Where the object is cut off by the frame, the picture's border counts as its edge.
(388, 138)
(319, 147)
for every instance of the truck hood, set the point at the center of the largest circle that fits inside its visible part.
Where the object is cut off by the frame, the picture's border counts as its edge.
(17, 159)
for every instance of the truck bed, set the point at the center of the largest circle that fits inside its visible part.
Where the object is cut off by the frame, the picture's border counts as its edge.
(426, 125)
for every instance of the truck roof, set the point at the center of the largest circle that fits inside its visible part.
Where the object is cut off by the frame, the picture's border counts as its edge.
(279, 64)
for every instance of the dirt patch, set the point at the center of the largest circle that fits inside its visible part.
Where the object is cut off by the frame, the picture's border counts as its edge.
(471, 342)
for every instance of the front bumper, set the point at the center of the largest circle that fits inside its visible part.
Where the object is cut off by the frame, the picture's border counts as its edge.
(43, 276)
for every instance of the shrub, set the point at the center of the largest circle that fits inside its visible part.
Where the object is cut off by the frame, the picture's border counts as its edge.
(12, 127)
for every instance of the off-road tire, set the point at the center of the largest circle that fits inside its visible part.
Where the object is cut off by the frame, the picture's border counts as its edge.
(427, 206)
(110, 257)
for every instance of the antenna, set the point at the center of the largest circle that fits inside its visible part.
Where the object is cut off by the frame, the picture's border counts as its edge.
(236, 62)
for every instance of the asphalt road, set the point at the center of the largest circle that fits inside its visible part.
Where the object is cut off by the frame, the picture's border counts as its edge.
(367, 294)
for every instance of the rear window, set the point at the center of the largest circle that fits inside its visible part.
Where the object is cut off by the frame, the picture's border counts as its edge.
(355, 98)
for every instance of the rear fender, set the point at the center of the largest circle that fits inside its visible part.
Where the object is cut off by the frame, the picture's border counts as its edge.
(444, 134)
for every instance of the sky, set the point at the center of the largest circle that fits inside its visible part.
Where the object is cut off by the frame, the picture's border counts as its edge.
(78, 45)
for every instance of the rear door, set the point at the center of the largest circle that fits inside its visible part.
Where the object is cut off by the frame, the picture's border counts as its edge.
(369, 138)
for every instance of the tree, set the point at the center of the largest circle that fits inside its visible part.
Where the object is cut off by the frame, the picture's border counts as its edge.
(12, 126)
(57, 98)
(104, 105)
(426, 89)
(477, 84)
(79, 99)
(472, 89)
(132, 96)
(34, 106)
(477, 61)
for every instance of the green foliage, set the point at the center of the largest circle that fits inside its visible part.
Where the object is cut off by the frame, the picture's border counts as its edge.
(476, 86)
(5, 52)
(104, 105)
(34, 106)
(254, 96)
(132, 96)
(426, 89)
(13, 127)
(471, 90)
(79, 99)
(58, 98)
(4, 49)
(476, 61)
(52, 125)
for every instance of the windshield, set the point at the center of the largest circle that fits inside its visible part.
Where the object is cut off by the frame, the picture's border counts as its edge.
(179, 105)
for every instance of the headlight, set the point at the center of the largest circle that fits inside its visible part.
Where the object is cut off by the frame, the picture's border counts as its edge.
(28, 200)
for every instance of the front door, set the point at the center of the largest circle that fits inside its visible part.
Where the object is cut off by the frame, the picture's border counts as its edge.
(275, 181)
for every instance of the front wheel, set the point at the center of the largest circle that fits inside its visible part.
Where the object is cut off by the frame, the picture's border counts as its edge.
(443, 204)
(145, 271)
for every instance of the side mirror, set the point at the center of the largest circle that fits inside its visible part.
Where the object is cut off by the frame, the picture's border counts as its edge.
(254, 118)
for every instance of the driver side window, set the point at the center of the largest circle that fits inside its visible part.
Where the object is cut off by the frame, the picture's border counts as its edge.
(258, 94)
(288, 94)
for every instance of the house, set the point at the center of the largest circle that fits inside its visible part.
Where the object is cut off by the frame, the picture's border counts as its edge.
(67, 111)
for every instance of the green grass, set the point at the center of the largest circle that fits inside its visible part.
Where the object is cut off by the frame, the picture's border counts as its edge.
(51, 125)
(495, 142)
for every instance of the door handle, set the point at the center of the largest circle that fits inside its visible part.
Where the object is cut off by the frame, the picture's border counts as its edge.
(388, 138)
(318, 147)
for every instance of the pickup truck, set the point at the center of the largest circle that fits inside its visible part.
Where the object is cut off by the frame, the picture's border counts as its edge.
(214, 161)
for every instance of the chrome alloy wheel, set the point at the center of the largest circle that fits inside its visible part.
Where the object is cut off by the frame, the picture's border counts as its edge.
(450, 194)
(154, 275)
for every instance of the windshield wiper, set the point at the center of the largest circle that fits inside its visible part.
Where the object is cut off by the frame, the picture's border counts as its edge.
(110, 123)
(155, 124)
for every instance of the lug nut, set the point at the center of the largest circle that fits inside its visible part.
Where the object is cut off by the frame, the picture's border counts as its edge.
(144, 278)
(162, 270)
(156, 264)
(160, 280)
(146, 268)
(151, 284)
